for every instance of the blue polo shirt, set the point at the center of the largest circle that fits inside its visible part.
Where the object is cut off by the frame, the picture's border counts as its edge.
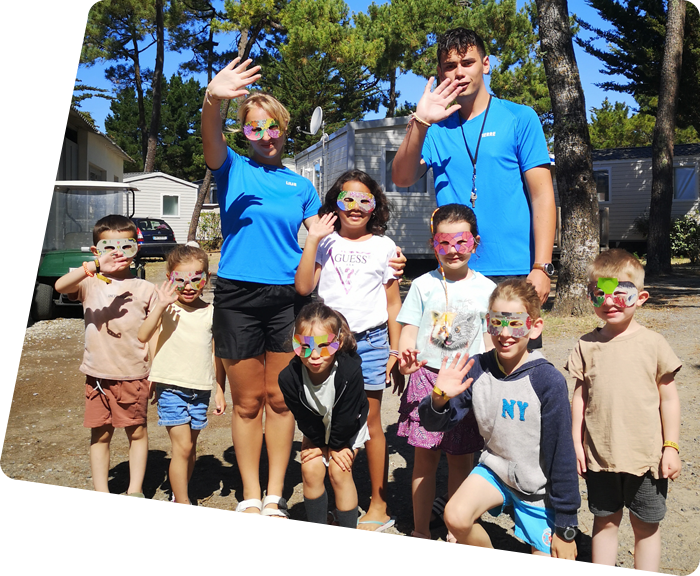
(262, 208)
(512, 142)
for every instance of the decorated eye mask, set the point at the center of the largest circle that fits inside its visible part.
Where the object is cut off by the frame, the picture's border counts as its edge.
(255, 129)
(519, 323)
(195, 279)
(355, 200)
(624, 294)
(463, 242)
(127, 246)
(325, 345)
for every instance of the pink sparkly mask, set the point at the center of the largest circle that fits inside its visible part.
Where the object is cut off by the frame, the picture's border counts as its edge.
(519, 323)
(462, 242)
(355, 200)
(325, 345)
(126, 246)
(195, 279)
(255, 129)
(624, 294)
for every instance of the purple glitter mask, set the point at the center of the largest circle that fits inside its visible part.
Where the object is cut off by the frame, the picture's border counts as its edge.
(463, 242)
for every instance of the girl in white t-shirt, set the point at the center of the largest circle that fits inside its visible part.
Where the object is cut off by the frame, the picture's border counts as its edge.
(183, 366)
(443, 314)
(347, 255)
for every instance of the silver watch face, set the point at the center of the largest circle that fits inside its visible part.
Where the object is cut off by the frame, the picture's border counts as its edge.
(548, 268)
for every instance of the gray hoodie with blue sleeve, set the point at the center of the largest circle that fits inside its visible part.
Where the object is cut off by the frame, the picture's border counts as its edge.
(525, 420)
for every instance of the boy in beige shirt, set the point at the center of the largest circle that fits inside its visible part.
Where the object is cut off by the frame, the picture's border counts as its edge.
(625, 413)
(115, 363)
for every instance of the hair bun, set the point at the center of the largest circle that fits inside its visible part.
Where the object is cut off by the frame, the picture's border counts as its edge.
(193, 244)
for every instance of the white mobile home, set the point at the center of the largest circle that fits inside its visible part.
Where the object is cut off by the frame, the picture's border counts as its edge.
(42, 137)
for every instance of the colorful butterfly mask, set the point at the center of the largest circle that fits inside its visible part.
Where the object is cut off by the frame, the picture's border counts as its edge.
(325, 345)
(462, 242)
(195, 279)
(356, 200)
(255, 129)
(126, 246)
(624, 294)
(519, 323)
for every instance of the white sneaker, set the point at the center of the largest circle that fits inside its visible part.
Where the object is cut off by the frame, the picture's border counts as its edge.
(191, 521)
(316, 543)
(350, 559)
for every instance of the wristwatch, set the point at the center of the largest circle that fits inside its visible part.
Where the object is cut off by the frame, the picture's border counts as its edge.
(547, 267)
(567, 533)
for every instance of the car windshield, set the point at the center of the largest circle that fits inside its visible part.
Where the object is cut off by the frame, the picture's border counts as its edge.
(151, 225)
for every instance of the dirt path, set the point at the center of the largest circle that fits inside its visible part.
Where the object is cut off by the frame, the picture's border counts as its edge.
(45, 441)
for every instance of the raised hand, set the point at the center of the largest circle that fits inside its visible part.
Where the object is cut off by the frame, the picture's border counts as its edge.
(113, 261)
(230, 81)
(166, 294)
(451, 379)
(322, 227)
(408, 362)
(433, 105)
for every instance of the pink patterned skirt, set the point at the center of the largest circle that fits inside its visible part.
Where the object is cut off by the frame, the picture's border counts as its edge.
(462, 439)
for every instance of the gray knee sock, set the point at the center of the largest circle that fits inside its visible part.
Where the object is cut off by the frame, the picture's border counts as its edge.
(317, 509)
(347, 518)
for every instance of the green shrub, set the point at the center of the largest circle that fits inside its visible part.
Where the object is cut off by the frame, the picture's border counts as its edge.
(685, 234)
(209, 231)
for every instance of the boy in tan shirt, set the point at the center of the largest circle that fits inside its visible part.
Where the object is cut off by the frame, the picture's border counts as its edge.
(116, 364)
(625, 413)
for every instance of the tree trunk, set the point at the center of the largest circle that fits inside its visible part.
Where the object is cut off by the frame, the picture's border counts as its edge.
(150, 160)
(391, 99)
(659, 239)
(139, 100)
(572, 151)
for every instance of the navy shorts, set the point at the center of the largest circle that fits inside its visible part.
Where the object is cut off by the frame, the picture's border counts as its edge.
(251, 319)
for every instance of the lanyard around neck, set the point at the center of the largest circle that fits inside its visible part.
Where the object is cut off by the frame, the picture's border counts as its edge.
(474, 157)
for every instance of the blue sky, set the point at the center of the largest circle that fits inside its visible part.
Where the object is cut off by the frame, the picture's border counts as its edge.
(409, 85)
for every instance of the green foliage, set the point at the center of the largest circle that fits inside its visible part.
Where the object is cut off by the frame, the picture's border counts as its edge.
(634, 49)
(685, 237)
(612, 126)
(405, 109)
(209, 231)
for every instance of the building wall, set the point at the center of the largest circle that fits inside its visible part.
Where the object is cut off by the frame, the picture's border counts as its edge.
(101, 155)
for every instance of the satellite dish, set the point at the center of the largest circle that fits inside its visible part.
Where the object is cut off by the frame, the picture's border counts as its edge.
(316, 120)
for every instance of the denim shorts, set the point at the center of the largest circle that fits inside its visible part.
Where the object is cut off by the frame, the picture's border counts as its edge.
(533, 524)
(373, 348)
(177, 406)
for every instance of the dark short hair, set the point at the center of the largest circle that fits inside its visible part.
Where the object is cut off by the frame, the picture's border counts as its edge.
(113, 223)
(459, 40)
(455, 213)
(380, 214)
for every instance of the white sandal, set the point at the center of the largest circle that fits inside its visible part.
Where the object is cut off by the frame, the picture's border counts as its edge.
(240, 515)
(281, 511)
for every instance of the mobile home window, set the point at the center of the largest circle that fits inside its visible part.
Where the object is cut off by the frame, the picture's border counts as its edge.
(171, 205)
(420, 186)
(317, 175)
(685, 183)
(602, 184)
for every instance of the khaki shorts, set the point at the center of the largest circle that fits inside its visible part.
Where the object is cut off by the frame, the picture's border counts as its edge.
(120, 403)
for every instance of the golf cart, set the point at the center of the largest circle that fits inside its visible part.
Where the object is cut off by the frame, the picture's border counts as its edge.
(75, 207)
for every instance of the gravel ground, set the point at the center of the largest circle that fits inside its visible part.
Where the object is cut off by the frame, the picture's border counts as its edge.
(45, 441)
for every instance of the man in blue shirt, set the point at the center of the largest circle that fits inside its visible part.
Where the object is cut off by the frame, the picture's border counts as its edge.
(459, 128)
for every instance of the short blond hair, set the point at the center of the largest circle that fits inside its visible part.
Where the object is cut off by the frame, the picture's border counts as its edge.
(518, 290)
(268, 103)
(615, 262)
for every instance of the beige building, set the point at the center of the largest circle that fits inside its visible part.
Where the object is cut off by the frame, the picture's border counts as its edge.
(42, 137)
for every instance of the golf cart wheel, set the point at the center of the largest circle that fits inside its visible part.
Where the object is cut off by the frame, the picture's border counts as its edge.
(42, 303)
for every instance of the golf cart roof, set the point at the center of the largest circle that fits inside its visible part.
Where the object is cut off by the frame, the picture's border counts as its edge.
(92, 186)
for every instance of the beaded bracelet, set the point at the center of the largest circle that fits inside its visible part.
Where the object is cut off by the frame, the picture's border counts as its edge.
(91, 274)
(394, 353)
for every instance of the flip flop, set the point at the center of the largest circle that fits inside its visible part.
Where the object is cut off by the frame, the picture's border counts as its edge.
(461, 554)
(381, 525)
(413, 553)
(131, 508)
(98, 511)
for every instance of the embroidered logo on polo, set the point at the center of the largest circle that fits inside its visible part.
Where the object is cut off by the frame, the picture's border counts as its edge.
(509, 409)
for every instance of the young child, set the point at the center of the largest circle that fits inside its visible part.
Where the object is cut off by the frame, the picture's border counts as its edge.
(115, 362)
(184, 367)
(324, 389)
(521, 404)
(625, 413)
(442, 314)
(347, 255)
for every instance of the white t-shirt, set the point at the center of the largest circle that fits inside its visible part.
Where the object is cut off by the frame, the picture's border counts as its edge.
(353, 275)
(445, 332)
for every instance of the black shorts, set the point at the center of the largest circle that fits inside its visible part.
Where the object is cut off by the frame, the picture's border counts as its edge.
(645, 496)
(535, 343)
(252, 318)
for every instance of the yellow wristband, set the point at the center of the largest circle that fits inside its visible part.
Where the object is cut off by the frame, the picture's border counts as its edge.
(440, 393)
(669, 444)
